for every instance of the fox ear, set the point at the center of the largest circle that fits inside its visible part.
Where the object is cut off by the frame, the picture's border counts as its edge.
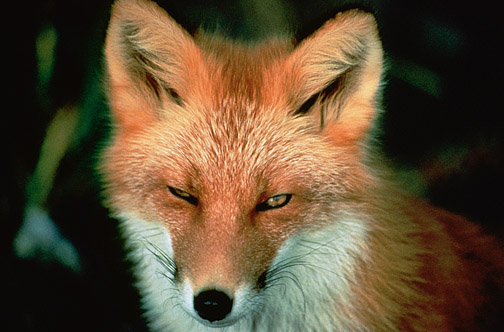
(146, 52)
(339, 68)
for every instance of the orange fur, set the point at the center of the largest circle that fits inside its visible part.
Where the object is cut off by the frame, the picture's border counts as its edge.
(230, 126)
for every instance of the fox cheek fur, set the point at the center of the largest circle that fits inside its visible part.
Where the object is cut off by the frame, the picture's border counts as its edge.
(250, 195)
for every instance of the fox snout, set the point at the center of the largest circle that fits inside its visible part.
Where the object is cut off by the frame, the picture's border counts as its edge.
(217, 305)
(218, 290)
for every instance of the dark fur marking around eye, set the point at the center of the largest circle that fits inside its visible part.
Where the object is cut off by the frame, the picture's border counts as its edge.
(183, 195)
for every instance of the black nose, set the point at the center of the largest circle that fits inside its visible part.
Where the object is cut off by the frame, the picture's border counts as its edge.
(213, 305)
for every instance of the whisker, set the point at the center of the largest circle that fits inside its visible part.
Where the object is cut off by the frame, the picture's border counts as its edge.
(163, 259)
(282, 271)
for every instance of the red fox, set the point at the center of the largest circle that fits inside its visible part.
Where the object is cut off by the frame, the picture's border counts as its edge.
(251, 196)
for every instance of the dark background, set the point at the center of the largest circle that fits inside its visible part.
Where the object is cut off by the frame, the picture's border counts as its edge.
(442, 129)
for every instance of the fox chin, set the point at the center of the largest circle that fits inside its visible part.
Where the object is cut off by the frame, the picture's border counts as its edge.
(251, 195)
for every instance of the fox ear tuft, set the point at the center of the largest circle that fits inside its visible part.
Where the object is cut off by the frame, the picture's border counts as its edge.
(339, 68)
(145, 52)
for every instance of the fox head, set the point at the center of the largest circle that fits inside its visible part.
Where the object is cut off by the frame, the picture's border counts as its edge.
(228, 151)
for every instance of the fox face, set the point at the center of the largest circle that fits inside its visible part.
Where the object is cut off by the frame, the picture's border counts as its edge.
(226, 217)
(230, 164)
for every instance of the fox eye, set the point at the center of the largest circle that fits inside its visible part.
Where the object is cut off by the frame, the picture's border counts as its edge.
(183, 195)
(274, 202)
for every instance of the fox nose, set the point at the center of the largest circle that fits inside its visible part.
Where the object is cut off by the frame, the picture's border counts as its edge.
(213, 305)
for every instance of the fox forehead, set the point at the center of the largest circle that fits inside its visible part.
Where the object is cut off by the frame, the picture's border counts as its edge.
(229, 146)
